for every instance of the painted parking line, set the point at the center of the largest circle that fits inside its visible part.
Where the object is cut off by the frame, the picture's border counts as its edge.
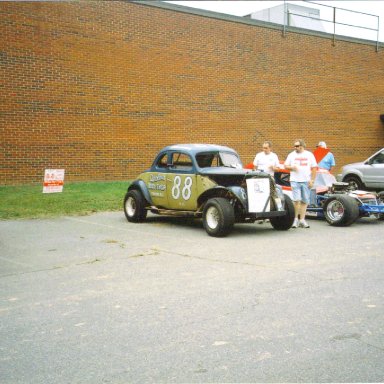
(11, 261)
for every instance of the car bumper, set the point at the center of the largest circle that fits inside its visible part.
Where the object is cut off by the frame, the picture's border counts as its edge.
(368, 208)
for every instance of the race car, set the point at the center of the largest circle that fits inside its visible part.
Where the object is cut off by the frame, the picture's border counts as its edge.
(207, 181)
(337, 202)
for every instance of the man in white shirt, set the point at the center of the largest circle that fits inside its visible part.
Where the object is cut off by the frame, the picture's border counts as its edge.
(302, 165)
(267, 161)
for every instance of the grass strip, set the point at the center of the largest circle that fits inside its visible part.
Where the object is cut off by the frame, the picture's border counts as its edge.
(26, 202)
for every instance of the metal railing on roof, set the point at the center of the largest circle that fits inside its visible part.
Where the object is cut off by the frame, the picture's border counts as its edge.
(335, 13)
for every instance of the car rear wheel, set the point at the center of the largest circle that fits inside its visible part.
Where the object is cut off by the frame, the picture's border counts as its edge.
(354, 182)
(134, 207)
(341, 211)
(218, 217)
(283, 223)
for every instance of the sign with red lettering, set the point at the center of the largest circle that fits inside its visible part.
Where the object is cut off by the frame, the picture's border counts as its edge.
(53, 180)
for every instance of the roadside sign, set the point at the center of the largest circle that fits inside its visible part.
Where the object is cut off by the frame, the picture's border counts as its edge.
(53, 180)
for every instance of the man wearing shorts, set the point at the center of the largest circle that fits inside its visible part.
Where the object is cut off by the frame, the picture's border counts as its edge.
(302, 165)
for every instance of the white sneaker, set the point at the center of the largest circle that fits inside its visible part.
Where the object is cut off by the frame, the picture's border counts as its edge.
(295, 223)
(303, 224)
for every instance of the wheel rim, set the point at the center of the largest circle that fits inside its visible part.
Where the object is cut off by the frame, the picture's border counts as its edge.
(353, 184)
(212, 217)
(130, 206)
(335, 210)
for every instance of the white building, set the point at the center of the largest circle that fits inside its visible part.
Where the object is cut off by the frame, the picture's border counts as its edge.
(294, 16)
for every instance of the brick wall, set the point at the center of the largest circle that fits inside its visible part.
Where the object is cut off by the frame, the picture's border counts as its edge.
(98, 88)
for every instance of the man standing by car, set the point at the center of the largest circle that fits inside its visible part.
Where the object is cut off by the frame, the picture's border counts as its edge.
(302, 165)
(324, 156)
(267, 161)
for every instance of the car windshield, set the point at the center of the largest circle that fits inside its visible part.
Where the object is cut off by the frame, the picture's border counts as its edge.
(230, 160)
(378, 159)
(218, 159)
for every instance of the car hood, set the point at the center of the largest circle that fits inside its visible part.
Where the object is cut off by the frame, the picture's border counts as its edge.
(354, 165)
(230, 171)
(229, 177)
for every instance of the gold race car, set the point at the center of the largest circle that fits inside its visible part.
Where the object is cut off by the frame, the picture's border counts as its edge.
(209, 182)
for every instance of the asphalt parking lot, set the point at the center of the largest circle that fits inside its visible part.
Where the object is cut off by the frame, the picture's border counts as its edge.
(95, 299)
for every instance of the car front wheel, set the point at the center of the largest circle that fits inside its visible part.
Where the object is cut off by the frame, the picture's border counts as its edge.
(218, 217)
(282, 223)
(341, 211)
(354, 182)
(134, 207)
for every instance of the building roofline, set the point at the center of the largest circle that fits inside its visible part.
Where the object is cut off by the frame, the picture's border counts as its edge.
(253, 22)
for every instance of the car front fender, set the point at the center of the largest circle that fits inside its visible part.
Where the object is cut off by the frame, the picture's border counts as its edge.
(238, 192)
(241, 195)
(352, 171)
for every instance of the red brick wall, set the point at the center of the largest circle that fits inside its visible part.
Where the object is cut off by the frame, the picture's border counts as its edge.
(98, 88)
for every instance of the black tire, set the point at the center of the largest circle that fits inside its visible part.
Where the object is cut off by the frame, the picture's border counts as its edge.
(134, 207)
(218, 217)
(341, 211)
(282, 223)
(354, 182)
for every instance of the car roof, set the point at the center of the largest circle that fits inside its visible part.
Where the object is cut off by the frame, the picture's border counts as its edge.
(196, 148)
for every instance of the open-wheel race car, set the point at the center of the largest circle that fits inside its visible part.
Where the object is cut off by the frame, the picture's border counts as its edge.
(207, 181)
(338, 202)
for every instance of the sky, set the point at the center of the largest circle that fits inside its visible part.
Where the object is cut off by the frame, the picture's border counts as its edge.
(241, 8)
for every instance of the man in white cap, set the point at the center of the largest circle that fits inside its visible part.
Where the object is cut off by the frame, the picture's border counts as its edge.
(324, 156)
